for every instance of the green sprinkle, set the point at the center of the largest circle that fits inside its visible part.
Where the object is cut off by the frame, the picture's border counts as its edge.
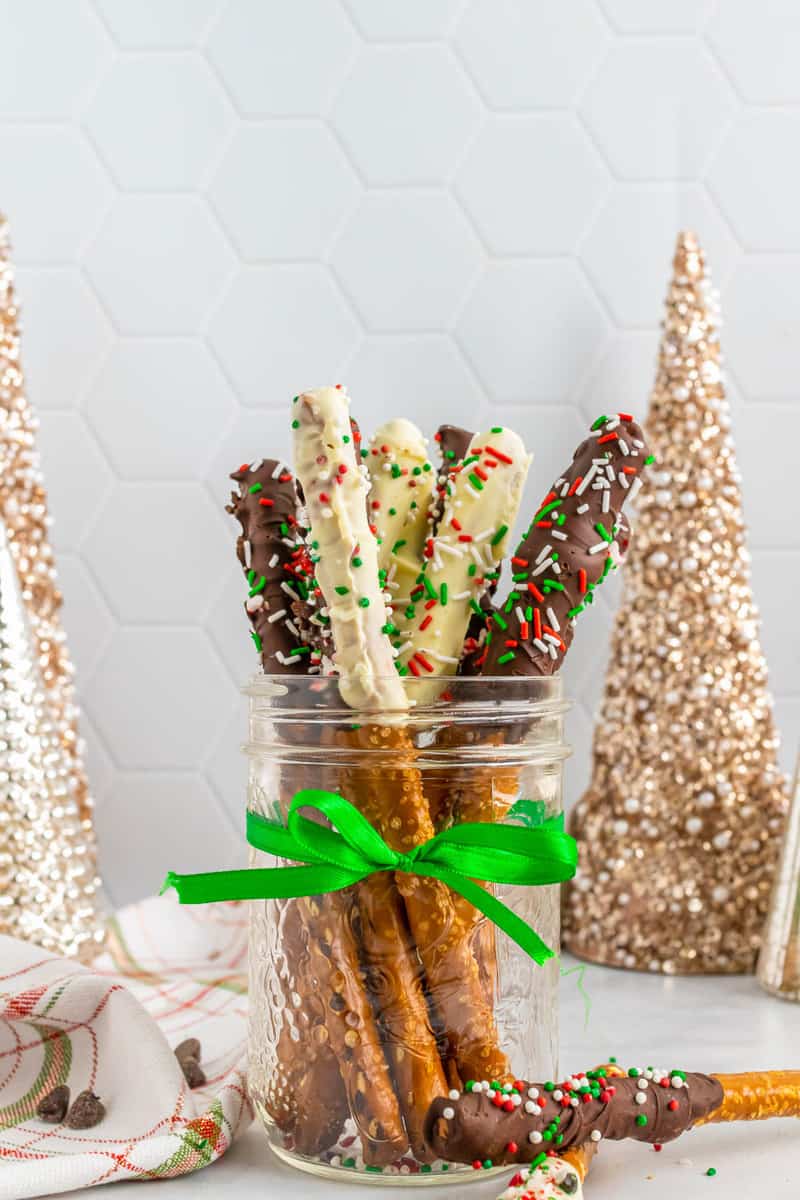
(651, 458)
(348, 1162)
(426, 466)
(547, 1136)
(547, 508)
(604, 534)
(346, 438)
(341, 590)
(529, 613)
(641, 1120)
(251, 575)
(549, 1086)
(497, 429)
(573, 612)
(284, 529)
(364, 602)
(356, 561)
(501, 621)
(612, 1058)
(475, 481)
(256, 640)
(392, 512)
(295, 424)
(411, 612)
(552, 585)
(429, 588)
(472, 569)
(450, 454)
(469, 1085)
(363, 453)
(599, 423)
(398, 545)
(396, 471)
(711, 1172)
(258, 587)
(401, 670)
(413, 504)
(417, 471)
(443, 594)
(425, 1169)
(256, 487)
(504, 658)
(487, 1164)
(472, 458)
(476, 608)
(633, 1072)
(520, 577)
(537, 1162)
(296, 398)
(559, 1139)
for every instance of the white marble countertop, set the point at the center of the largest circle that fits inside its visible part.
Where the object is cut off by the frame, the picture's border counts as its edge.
(704, 1024)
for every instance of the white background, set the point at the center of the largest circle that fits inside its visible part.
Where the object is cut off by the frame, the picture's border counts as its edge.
(463, 209)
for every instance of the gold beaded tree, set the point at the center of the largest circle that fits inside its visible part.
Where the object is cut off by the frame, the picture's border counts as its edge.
(680, 829)
(23, 514)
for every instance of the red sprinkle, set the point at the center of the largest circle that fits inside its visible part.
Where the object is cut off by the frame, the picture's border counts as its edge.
(657, 1147)
(605, 1097)
(431, 603)
(477, 1165)
(375, 504)
(519, 1085)
(465, 537)
(524, 630)
(285, 477)
(324, 497)
(479, 471)
(519, 562)
(542, 1102)
(413, 668)
(534, 591)
(582, 581)
(456, 524)
(576, 484)
(423, 662)
(266, 502)
(664, 1083)
(498, 454)
(673, 1106)
(512, 642)
(629, 470)
(625, 416)
(424, 624)
(608, 437)
(512, 1148)
(508, 1105)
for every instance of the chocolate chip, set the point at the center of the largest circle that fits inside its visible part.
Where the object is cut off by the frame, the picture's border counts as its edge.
(193, 1073)
(569, 1184)
(190, 1048)
(338, 1003)
(87, 1111)
(53, 1107)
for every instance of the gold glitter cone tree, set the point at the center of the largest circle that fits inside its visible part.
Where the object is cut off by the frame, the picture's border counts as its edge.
(23, 508)
(680, 829)
(47, 876)
(23, 512)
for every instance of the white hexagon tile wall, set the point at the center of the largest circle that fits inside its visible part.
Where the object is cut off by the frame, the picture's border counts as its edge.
(462, 208)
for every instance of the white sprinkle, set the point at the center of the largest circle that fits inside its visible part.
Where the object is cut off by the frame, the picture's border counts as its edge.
(595, 1135)
(279, 469)
(530, 1107)
(610, 472)
(552, 652)
(540, 645)
(442, 658)
(471, 490)
(543, 553)
(606, 503)
(557, 533)
(640, 1097)
(254, 603)
(293, 630)
(535, 1137)
(454, 1094)
(449, 548)
(287, 662)
(481, 537)
(326, 512)
(405, 646)
(461, 595)
(582, 508)
(565, 489)
(289, 591)
(623, 479)
(623, 445)
(448, 1113)
(276, 616)
(587, 479)
(600, 546)
(519, 614)
(553, 619)
(533, 1092)
(548, 637)
(273, 562)
(540, 570)
(676, 1081)
(637, 483)
(556, 568)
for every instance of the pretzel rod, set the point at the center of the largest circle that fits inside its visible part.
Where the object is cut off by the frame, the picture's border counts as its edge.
(484, 495)
(487, 1125)
(305, 1096)
(567, 552)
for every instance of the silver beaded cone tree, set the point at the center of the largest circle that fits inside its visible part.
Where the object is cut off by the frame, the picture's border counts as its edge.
(680, 829)
(48, 888)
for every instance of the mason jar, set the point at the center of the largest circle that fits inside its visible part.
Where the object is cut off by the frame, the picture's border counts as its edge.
(367, 1003)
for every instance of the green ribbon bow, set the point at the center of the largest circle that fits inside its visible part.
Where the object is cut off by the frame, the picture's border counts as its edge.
(350, 850)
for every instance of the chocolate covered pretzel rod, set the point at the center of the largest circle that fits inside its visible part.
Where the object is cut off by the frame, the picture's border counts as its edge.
(567, 552)
(481, 505)
(389, 796)
(271, 548)
(348, 574)
(490, 1125)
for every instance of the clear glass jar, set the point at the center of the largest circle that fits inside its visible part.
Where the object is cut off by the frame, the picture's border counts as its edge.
(366, 1004)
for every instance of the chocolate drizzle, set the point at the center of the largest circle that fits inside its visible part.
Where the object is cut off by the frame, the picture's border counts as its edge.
(576, 537)
(496, 1125)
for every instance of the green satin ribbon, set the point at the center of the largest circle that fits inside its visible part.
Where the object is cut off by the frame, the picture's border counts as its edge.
(350, 850)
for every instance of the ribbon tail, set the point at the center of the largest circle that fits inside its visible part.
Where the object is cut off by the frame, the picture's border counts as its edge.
(268, 883)
(497, 912)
